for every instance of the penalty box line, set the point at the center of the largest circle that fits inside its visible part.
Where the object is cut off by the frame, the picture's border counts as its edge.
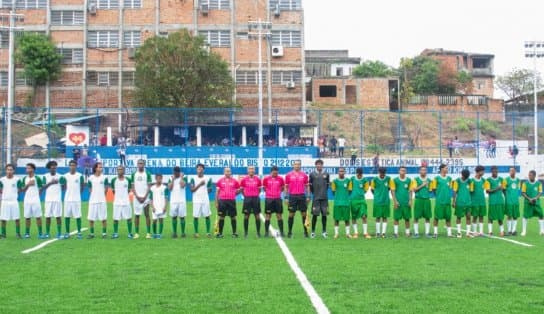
(46, 243)
(505, 239)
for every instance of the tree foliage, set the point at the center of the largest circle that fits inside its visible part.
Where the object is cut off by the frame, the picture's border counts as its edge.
(39, 57)
(177, 71)
(518, 83)
(373, 69)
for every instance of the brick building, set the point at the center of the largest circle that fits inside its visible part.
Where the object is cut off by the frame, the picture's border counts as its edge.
(98, 38)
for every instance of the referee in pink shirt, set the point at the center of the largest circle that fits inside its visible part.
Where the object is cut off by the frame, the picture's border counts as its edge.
(273, 187)
(227, 189)
(297, 187)
(251, 188)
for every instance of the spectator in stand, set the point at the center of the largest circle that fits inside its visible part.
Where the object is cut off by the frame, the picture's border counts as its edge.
(321, 144)
(122, 151)
(376, 162)
(341, 146)
(76, 153)
(353, 152)
(492, 148)
(449, 144)
(332, 143)
(456, 145)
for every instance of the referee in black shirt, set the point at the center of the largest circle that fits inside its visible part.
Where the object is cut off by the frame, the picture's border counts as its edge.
(319, 186)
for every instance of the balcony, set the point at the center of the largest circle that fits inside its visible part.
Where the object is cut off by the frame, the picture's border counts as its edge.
(482, 72)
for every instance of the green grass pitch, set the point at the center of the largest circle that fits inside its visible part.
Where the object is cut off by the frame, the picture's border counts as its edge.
(251, 275)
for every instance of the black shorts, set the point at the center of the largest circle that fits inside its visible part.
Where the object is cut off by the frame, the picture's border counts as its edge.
(273, 206)
(227, 208)
(252, 205)
(320, 207)
(298, 202)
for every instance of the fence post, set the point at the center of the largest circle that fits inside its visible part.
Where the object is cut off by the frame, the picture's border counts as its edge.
(319, 123)
(276, 122)
(361, 127)
(399, 140)
(478, 137)
(514, 136)
(48, 132)
(3, 148)
(231, 122)
(140, 127)
(440, 134)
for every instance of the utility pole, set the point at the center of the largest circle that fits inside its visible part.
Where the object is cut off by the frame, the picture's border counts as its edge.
(535, 50)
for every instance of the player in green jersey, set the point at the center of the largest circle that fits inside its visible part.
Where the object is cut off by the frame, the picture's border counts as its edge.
(402, 201)
(512, 187)
(341, 188)
(441, 186)
(494, 188)
(479, 209)
(360, 186)
(532, 191)
(462, 201)
(422, 205)
(380, 186)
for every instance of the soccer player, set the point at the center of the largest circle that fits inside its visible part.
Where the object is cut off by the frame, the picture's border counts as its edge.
(178, 201)
(319, 186)
(531, 190)
(494, 188)
(73, 185)
(31, 185)
(121, 187)
(251, 188)
(380, 186)
(512, 191)
(9, 209)
(98, 210)
(420, 186)
(441, 186)
(479, 209)
(53, 202)
(273, 186)
(341, 188)
(227, 189)
(402, 202)
(141, 182)
(201, 187)
(462, 187)
(358, 205)
(297, 187)
(158, 193)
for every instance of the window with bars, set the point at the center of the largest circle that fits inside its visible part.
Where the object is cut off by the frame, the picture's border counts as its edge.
(68, 17)
(283, 77)
(216, 4)
(105, 4)
(132, 4)
(132, 39)
(71, 55)
(129, 78)
(286, 38)
(21, 80)
(103, 39)
(216, 38)
(249, 77)
(5, 4)
(286, 5)
(30, 4)
(4, 78)
(97, 78)
(4, 39)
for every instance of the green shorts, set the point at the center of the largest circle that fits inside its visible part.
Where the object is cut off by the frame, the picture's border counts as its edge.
(381, 211)
(341, 213)
(478, 211)
(422, 208)
(496, 212)
(512, 211)
(462, 211)
(403, 212)
(358, 209)
(442, 212)
(530, 211)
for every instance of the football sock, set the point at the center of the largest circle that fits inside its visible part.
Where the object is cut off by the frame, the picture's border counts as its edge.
(137, 225)
(27, 230)
(458, 228)
(17, 230)
(474, 227)
(468, 228)
(59, 228)
(148, 228)
(233, 225)
(384, 227)
(4, 231)
(365, 228)
(78, 224)
(416, 228)
(395, 229)
(378, 229)
(541, 222)
(435, 230)
(258, 224)
(40, 229)
(427, 227)
(481, 225)
(490, 227)
(221, 226)
(174, 224)
(246, 225)
(347, 229)
(355, 228)
(524, 225)
(407, 231)
(280, 225)
(195, 224)
(335, 230)
(104, 230)
(514, 225)
(182, 223)
(115, 227)
(324, 223)
(267, 225)
(161, 227)
(154, 227)
(129, 226)
(314, 222)
(208, 225)
(91, 230)
(47, 228)
(501, 228)
(449, 231)
(290, 224)
(67, 225)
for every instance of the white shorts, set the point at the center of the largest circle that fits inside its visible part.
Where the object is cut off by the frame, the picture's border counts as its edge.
(32, 210)
(122, 212)
(139, 207)
(53, 209)
(201, 210)
(178, 210)
(72, 209)
(9, 211)
(98, 212)
(157, 215)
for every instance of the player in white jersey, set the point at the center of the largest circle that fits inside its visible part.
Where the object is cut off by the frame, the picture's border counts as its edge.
(73, 183)
(31, 185)
(141, 181)
(201, 186)
(53, 200)
(98, 209)
(121, 187)
(9, 209)
(178, 201)
(158, 193)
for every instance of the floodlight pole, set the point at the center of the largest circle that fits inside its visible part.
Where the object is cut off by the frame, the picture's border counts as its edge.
(535, 50)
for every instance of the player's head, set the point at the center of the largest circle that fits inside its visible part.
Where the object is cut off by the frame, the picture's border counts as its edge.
(120, 170)
(97, 168)
(251, 170)
(51, 166)
(341, 172)
(177, 171)
(274, 171)
(319, 165)
(227, 172)
(296, 165)
(158, 179)
(141, 164)
(200, 169)
(443, 169)
(73, 166)
(512, 171)
(359, 171)
(30, 168)
(532, 175)
(382, 171)
(423, 171)
(10, 170)
(465, 174)
(402, 171)
(479, 170)
(494, 171)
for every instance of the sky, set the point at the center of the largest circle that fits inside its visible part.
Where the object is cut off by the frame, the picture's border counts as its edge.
(389, 30)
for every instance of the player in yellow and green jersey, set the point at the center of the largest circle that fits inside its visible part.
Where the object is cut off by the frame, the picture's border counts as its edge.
(512, 187)
(532, 191)
(441, 186)
(380, 186)
(422, 205)
(341, 188)
(494, 188)
(479, 209)
(402, 201)
(462, 201)
(360, 186)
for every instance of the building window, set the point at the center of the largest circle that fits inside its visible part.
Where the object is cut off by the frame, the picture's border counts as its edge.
(286, 38)
(4, 39)
(129, 78)
(286, 5)
(216, 4)
(102, 78)
(327, 91)
(249, 77)
(67, 17)
(132, 4)
(4, 78)
(103, 39)
(339, 71)
(5, 4)
(132, 39)
(283, 77)
(21, 80)
(216, 38)
(105, 4)
(71, 55)
(30, 4)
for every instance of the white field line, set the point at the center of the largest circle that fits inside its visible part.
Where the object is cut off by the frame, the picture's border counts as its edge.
(505, 239)
(46, 243)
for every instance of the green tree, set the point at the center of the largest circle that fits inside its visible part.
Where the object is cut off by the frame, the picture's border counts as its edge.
(518, 84)
(424, 76)
(177, 71)
(373, 69)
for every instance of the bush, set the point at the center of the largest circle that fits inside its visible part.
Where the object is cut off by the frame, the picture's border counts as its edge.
(339, 114)
(463, 125)
(522, 130)
(489, 128)
(332, 127)
(374, 148)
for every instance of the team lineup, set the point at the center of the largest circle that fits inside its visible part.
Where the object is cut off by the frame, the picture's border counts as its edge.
(408, 199)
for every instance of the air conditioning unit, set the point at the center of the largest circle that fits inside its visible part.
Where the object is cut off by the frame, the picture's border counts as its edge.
(204, 9)
(277, 51)
(131, 52)
(290, 85)
(277, 10)
(92, 9)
